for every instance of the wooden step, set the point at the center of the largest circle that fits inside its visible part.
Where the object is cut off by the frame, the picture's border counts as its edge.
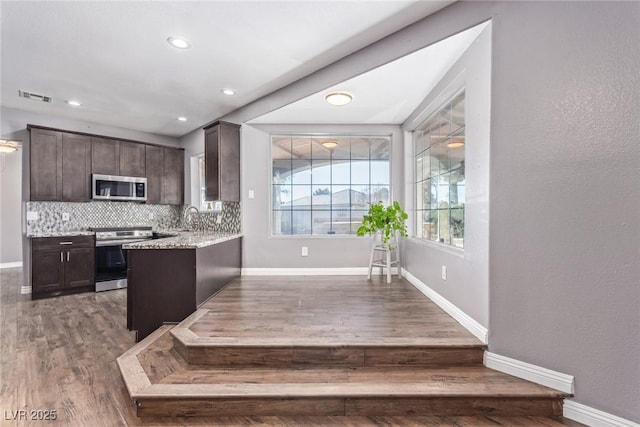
(256, 350)
(162, 383)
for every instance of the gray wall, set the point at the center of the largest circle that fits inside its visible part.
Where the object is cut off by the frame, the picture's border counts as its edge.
(564, 275)
(565, 195)
(260, 250)
(467, 284)
(13, 123)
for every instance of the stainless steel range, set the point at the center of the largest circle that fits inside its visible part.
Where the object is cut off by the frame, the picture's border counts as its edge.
(111, 259)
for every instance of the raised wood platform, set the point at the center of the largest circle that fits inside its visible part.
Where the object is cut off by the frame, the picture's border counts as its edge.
(309, 346)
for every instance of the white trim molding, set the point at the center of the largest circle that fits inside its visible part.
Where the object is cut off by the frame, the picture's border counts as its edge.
(460, 316)
(529, 372)
(593, 417)
(347, 271)
(16, 264)
(25, 290)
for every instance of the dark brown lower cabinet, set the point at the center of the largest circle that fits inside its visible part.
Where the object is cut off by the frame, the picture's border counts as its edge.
(167, 285)
(62, 266)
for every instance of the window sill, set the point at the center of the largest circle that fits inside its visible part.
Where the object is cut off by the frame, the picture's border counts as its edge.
(452, 250)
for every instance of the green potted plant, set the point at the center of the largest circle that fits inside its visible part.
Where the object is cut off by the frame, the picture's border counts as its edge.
(387, 220)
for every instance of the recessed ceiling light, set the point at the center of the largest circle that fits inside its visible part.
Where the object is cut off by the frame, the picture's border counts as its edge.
(228, 91)
(178, 42)
(73, 103)
(338, 98)
(182, 119)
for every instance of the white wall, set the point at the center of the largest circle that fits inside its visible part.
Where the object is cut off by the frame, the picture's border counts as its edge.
(260, 250)
(13, 124)
(467, 284)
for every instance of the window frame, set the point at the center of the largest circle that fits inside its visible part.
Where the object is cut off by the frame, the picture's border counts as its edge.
(436, 107)
(321, 135)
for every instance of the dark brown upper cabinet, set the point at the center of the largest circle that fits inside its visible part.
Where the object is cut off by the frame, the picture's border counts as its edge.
(222, 161)
(60, 166)
(76, 167)
(165, 175)
(154, 166)
(113, 157)
(132, 159)
(172, 177)
(45, 165)
(105, 156)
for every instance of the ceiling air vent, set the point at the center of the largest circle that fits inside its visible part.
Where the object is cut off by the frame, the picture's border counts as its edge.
(34, 96)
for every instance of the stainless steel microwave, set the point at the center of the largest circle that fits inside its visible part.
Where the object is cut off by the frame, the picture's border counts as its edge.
(113, 187)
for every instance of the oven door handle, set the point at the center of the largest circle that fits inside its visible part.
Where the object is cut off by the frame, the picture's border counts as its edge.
(100, 243)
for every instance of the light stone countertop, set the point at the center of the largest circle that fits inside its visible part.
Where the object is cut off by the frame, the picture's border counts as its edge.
(183, 240)
(60, 234)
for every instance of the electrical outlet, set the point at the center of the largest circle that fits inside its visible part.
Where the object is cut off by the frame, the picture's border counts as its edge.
(444, 272)
(219, 219)
(305, 251)
(150, 215)
(32, 215)
(252, 194)
(65, 216)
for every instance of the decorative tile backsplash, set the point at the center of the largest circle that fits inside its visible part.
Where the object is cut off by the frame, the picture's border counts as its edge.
(230, 223)
(83, 216)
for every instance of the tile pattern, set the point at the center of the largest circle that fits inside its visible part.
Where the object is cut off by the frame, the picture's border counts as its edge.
(207, 221)
(83, 216)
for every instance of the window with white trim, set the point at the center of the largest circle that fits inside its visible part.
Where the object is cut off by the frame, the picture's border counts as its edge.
(439, 147)
(322, 185)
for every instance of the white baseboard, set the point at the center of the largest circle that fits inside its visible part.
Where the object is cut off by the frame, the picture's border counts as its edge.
(25, 290)
(16, 264)
(593, 417)
(529, 372)
(348, 271)
(463, 318)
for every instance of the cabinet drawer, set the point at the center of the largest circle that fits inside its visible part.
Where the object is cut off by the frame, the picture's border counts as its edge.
(41, 243)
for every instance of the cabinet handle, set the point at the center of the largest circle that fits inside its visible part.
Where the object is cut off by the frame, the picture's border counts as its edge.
(67, 256)
(66, 243)
(61, 257)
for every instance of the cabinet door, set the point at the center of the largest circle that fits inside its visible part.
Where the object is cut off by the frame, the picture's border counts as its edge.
(79, 267)
(173, 177)
(154, 165)
(76, 167)
(45, 165)
(132, 159)
(229, 163)
(211, 163)
(47, 270)
(105, 155)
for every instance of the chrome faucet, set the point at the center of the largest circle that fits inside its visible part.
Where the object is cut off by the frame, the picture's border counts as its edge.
(191, 223)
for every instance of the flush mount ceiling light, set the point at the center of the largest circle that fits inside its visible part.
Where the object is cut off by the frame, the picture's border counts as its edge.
(182, 119)
(330, 143)
(338, 98)
(8, 146)
(228, 91)
(179, 42)
(456, 143)
(73, 103)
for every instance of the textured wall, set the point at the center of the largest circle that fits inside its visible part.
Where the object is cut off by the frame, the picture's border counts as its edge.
(565, 195)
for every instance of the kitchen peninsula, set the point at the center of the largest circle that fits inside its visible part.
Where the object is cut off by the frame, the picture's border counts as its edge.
(170, 277)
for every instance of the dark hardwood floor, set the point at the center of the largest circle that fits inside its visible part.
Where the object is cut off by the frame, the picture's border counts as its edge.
(60, 354)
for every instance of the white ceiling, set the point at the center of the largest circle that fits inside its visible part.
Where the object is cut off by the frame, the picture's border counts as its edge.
(114, 58)
(385, 95)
